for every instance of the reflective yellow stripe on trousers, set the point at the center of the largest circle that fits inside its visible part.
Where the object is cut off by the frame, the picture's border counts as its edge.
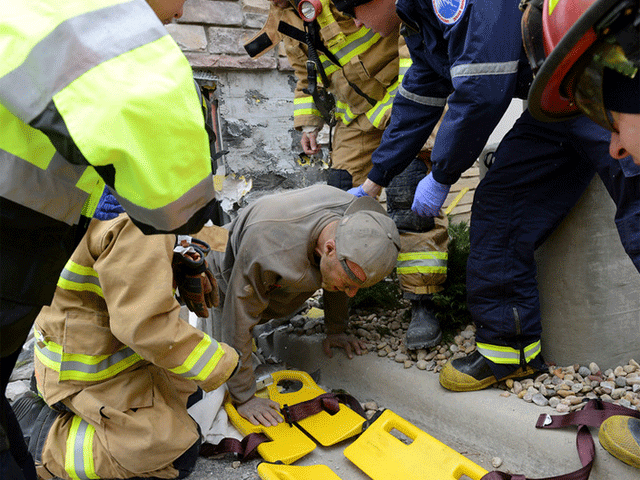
(78, 460)
(506, 355)
(422, 262)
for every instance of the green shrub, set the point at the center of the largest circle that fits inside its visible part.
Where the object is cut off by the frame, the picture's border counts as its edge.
(385, 294)
(451, 302)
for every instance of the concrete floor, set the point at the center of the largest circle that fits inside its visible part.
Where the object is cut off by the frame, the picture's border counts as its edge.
(480, 425)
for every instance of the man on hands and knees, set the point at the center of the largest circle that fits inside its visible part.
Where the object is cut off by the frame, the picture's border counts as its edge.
(282, 248)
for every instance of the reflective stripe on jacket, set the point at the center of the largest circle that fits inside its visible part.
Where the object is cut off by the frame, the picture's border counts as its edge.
(104, 84)
(114, 312)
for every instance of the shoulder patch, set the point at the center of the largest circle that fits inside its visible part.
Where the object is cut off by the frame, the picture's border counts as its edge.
(449, 11)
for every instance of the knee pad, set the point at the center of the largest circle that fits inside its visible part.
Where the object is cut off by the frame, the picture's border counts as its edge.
(341, 179)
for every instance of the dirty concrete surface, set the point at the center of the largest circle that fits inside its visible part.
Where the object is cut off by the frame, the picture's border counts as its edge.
(483, 426)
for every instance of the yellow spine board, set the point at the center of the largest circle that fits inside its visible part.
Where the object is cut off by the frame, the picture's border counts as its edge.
(289, 443)
(325, 428)
(382, 456)
(269, 471)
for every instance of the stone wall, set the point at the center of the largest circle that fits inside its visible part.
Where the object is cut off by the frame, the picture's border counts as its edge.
(256, 102)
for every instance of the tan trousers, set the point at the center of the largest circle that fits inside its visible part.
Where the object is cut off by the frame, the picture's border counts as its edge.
(107, 440)
(353, 146)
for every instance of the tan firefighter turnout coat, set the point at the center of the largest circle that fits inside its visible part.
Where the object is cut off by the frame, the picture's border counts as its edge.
(112, 349)
(359, 57)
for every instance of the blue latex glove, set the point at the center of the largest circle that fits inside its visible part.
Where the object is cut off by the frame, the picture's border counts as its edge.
(357, 191)
(108, 206)
(429, 197)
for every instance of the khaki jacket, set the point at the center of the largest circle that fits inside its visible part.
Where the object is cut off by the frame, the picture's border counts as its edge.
(270, 268)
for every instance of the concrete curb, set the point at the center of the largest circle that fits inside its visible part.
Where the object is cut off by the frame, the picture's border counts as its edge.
(481, 425)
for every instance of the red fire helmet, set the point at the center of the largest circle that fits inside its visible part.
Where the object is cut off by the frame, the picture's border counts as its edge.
(581, 38)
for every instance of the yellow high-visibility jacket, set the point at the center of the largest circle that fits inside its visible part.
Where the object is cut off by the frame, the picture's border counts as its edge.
(105, 84)
(93, 91)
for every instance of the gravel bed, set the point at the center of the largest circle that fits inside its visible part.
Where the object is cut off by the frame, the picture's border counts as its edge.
(564, 388)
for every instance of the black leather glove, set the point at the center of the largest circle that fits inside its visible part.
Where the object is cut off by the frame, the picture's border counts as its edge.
(195, 284)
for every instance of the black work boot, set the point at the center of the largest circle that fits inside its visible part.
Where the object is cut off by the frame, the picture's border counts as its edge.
(35, 418)
(424, 329)
(472, 373)
(26, 409)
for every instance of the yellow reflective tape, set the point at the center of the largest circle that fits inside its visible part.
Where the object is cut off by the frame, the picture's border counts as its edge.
(345, 112)
(533, 346)
(377, 120)
(422, 256)
(510, 356)
(69, 458)
(359, 49)
(552, 5)
(80, 269)
(194, 356)
(307, 111)
(81, 434)
(87, 450)
(80, 287)
(502, 361)
(497, 348)
(418, 269)
(82, 359)
(299, 100)
(104, 374)
(211, 364)
(46, 361)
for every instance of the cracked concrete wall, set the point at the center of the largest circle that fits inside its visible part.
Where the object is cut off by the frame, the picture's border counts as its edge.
(256, 111)
(255, 97)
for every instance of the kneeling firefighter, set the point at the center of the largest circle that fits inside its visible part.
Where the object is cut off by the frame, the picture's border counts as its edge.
(114, 362)
(347, 76)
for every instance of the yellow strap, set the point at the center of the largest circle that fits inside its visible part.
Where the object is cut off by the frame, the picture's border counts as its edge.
(456, 200)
